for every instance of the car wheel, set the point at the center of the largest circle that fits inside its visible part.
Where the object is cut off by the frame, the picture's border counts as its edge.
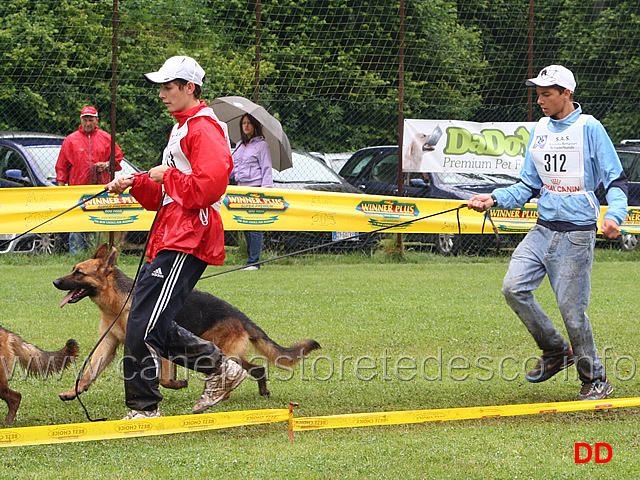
(447, 243)
(628, 242)
(46, 244)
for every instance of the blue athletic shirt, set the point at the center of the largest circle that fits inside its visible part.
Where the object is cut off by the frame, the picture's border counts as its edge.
(601, 164)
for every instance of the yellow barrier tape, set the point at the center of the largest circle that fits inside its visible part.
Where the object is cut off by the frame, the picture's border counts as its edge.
(446, 414)
(256, 208)
(83, 432)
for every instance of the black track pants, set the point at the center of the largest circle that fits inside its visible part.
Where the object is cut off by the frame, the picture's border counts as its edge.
(160, 293)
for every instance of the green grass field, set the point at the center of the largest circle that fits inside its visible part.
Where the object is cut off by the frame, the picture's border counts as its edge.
(378, 321)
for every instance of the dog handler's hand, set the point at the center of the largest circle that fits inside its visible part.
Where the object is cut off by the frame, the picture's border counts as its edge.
(481, 202)
(157, 173)
(610, 228)
(120, 184)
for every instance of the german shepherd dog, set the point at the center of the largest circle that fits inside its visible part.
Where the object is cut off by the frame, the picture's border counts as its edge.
(203, 314)
(33, 360)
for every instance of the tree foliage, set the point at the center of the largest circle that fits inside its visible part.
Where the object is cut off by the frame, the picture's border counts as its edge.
(598, 39)
(345, 83)
(601, 39)
(328, 68)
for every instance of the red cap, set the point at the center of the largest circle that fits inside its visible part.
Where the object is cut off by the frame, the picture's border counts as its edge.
(89, 111)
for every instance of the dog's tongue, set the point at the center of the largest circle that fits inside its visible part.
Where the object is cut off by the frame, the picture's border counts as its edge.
(66, 299)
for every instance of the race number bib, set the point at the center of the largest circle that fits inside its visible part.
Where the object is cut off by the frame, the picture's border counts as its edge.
(558, 157)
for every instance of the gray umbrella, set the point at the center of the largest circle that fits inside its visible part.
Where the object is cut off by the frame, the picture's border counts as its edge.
(231, 109)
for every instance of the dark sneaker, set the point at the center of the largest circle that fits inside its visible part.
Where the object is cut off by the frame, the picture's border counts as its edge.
(596, 390)
(549, 365)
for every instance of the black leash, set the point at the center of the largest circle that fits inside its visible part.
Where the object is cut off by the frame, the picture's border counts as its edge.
(142, 257)
(140, 263)
(487, 214)
(117, 316)
(88, 358)
(368, 234)
(131, 290)
(494, 228)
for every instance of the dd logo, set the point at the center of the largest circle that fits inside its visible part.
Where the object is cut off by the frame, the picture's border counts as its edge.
(584, 452)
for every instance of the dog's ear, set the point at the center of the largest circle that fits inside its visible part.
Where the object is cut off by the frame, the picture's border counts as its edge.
(113, 255)
(101, 251)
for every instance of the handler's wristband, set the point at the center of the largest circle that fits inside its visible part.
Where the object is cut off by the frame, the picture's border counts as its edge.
(495, 200)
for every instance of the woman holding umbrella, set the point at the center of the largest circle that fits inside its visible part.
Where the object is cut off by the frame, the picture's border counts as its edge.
(252, 168)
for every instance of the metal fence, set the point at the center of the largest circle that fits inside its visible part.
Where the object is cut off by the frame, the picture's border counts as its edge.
(340, 76)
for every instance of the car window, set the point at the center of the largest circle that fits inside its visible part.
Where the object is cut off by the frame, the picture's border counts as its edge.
(12, 160)
(386, 170)
(355, 166)
(627, 159)
(45, 157)
(306, 169)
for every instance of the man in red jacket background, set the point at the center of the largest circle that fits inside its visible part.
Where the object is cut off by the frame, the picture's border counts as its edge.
(188, 235)
(84, 160)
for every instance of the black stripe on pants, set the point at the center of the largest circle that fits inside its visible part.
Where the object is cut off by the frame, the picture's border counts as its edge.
(160, 293)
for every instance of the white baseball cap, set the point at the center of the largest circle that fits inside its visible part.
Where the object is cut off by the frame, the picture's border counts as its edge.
(182, 67)
(553, 75)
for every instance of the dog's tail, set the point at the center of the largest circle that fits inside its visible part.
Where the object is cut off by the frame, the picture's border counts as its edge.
(276, 354)
(38, 362)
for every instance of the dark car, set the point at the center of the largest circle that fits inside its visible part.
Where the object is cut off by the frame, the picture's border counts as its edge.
(629, 153)
(28, 159)
(374, 171)
(310, 173)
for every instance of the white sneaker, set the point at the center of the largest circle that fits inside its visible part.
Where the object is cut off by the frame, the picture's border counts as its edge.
(251, 267)
(218, 386)
(138, 414)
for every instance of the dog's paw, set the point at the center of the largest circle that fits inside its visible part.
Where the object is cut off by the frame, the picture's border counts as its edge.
(68, 395)
(175, 384)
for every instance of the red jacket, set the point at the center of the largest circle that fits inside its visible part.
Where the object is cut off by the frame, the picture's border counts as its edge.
(190, 224)
(80, 152)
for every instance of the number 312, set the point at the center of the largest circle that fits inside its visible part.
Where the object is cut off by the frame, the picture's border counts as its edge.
(555, 162)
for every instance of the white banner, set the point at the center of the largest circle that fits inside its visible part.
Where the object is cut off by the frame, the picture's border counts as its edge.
(455, 146)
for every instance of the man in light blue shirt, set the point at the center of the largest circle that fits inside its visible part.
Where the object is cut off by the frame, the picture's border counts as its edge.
(568, 156)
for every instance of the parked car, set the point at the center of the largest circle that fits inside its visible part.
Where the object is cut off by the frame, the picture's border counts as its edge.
(333, 160)
(374, 171)
(28, 159)
(309, 173)
(629, 153)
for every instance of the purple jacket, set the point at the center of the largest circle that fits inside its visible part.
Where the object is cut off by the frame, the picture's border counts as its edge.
(252, 164)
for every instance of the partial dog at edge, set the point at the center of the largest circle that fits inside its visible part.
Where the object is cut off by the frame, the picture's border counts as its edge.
(205, 315)
(33, 360)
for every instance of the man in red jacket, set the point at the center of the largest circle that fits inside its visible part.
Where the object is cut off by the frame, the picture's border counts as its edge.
(85, 154)
(84, 160)
(187, 236)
